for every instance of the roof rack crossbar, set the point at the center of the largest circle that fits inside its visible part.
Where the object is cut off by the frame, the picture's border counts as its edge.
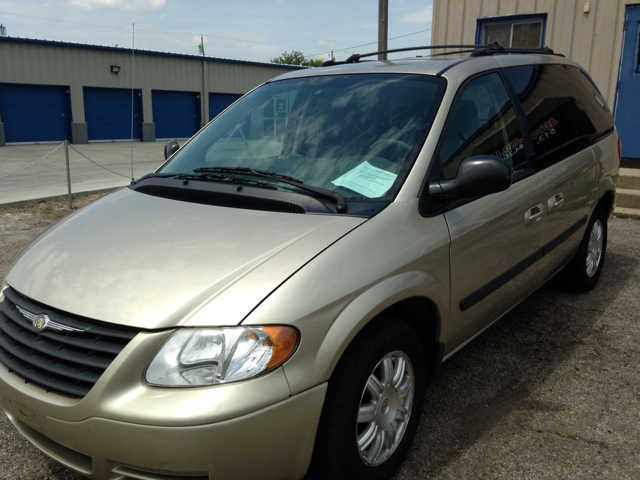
(476, 50)
(355, 57)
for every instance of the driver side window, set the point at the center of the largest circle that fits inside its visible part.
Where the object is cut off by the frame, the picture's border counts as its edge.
(483, 122)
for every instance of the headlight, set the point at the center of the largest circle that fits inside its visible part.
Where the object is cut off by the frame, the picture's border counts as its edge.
(211, 356)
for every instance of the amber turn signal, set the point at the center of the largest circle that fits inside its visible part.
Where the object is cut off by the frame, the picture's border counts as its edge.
(285, 341)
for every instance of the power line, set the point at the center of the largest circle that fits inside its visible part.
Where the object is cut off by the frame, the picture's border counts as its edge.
(155, 32)
(366, 44)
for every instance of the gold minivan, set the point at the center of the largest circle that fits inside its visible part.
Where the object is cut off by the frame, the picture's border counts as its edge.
(278, 294)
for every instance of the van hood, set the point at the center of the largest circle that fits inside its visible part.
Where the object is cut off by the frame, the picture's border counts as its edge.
(148, 262)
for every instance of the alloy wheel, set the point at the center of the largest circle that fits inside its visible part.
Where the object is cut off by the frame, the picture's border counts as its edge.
(385, 408)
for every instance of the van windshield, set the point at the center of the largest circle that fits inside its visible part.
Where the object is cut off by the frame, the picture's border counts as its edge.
(357, 135)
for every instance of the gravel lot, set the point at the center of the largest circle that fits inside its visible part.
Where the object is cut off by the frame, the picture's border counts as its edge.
(550, 391)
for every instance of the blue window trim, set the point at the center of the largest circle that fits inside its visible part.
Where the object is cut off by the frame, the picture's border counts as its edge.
(636, 55)
(481, 22)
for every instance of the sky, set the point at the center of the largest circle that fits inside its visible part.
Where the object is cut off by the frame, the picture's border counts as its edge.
(255, 30)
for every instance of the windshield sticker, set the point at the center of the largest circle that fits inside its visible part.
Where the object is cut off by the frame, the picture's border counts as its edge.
(367, 180)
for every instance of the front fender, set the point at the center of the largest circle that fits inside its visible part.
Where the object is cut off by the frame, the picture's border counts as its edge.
(394, 256)
(366, 307)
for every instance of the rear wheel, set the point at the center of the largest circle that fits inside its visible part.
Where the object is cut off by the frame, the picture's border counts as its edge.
(584, 270)
(373, 404)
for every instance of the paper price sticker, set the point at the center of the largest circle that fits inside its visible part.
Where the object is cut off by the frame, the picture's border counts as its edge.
(367, 180)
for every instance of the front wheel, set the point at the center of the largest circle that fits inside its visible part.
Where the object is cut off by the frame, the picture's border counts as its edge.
(582, 273)
(373, 404)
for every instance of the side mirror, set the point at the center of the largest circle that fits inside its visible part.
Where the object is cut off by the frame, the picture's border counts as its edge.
(170, 148)
(477, 176)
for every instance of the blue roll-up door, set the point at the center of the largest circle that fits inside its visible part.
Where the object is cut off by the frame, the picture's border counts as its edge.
(107, 112)
(176, 114)
(34, 113)
(219, 101)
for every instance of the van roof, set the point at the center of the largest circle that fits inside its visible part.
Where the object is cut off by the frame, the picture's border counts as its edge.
(483, 57)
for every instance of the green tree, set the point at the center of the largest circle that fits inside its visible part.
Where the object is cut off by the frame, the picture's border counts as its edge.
(296, 57)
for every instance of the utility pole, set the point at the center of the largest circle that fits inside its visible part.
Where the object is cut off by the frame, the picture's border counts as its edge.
(383, 27)
(204, 106)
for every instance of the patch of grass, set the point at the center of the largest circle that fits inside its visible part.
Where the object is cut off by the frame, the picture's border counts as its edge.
(51, 208)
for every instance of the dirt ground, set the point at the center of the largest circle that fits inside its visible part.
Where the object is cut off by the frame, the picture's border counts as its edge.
(551, 391)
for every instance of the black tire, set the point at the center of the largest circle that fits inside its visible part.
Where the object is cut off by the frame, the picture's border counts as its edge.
(580, 275)
(337, 454)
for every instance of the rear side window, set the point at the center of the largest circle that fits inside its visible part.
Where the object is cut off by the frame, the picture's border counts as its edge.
(483, 122)
(564, 110)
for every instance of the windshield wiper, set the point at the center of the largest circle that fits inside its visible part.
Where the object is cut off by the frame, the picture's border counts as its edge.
(154, 175)
(224, 178)
(207, 176)
(254, 171)
(341, 205)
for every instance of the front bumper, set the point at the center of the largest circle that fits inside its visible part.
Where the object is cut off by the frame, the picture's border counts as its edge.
(272, 442)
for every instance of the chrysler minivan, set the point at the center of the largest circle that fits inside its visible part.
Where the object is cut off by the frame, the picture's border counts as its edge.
(276, 297)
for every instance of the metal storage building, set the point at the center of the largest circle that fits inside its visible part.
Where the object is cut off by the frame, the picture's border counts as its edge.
(603, 36)
(52, 91)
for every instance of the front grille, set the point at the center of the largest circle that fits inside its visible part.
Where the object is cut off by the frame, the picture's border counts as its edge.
(61, 362)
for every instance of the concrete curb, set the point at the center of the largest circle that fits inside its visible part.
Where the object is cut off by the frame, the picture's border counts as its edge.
(622, 212)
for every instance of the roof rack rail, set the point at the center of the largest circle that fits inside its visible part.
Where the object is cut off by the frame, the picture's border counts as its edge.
(474, 50)
(542, 50)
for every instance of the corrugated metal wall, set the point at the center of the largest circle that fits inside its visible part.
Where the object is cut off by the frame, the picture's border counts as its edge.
(32, 62)
(594, 39)
(29, 63)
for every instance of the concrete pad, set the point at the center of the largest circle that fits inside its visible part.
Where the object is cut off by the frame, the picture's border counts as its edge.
(628, 198)
(22, 180)
(629, 178)
(622, 212)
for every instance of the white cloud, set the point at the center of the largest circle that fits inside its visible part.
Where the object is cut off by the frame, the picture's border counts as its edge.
(128, 4)
(421, 16)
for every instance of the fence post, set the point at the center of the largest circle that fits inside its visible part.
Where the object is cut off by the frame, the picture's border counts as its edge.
(66, 156)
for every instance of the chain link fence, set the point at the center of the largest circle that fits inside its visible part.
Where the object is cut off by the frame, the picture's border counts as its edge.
(50, 162)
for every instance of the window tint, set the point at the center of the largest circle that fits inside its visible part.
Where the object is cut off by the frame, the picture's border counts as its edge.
(564, 109)
(483, 122)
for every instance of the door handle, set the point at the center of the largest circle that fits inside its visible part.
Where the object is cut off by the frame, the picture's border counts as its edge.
(555, 202)
(534, 214)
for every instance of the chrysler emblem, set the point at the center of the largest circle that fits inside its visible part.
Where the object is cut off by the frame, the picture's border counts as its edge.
(42, 322)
